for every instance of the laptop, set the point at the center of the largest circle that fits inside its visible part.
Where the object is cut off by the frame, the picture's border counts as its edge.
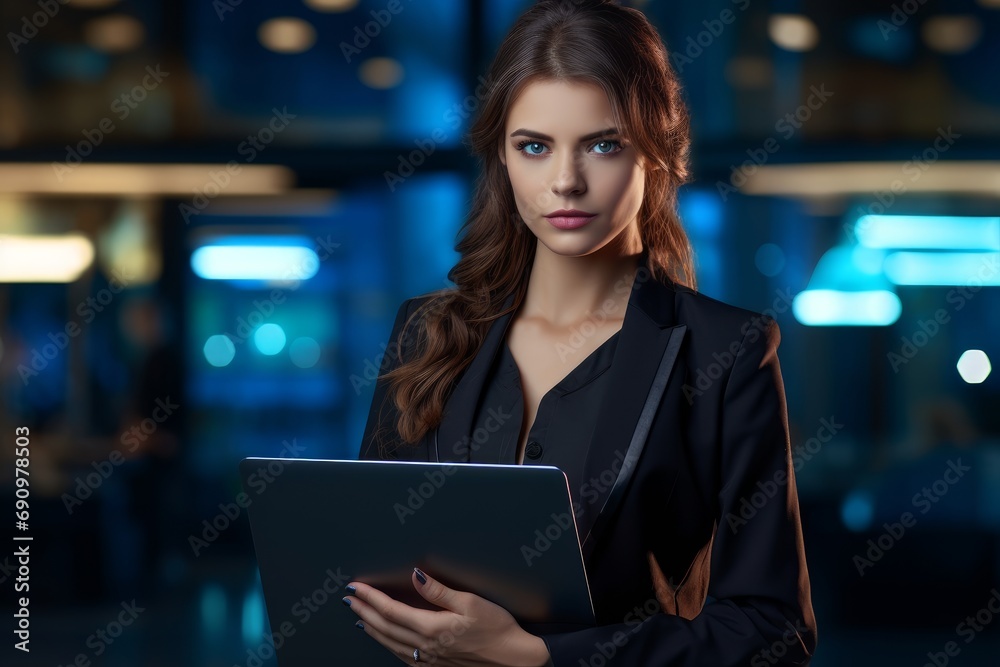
(504, 532)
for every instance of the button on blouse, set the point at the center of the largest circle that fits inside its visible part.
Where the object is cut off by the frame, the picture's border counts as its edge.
(565, 419)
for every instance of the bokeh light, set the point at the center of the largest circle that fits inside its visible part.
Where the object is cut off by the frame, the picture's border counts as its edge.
(770, 259)
(269, 339)
(974, 366)
(219, 350)
(304, 352)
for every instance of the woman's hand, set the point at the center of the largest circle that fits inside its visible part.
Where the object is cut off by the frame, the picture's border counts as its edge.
(469, 631)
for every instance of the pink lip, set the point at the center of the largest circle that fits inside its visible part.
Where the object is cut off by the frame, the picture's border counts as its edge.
(570, 221)
(569, 218)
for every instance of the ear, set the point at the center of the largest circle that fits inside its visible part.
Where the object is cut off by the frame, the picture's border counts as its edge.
(503, 157)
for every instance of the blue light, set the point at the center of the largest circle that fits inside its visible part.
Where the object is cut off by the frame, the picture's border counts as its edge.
(928, 232)
(219, 350)
(857, 510)
(866, 36)
(943, 268)
(848, 288)
(701, 212)
(253, 621)
(254, 261)
(826, 307)
(75, 62)
(269, 339)
(304, 352)
(429, 255)
(213, 610)
(850, 268)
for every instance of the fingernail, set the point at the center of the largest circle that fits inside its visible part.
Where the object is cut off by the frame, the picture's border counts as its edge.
(352, 590)
(420, 575)
(346, 601)
(359, 625)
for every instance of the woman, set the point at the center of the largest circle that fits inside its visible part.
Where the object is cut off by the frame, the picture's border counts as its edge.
(576, 339)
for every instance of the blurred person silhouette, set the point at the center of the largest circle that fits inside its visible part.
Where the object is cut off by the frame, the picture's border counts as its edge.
(150, 439)
(940, 422)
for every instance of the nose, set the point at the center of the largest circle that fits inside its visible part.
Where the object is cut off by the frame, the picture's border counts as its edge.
(570, 178)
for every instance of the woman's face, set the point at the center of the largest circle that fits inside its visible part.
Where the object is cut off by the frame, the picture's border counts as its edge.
(560, 154)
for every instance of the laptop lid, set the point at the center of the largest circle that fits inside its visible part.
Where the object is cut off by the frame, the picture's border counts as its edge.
(504, 532)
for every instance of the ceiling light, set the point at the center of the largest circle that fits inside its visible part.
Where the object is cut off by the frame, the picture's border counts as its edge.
(116, 33)
(952, 34)
(331, 5)
(943, 268)
(266, 258)
(92, 4)
(792, 32)
(114, 179)
(44, 258)
(930, 232)
(381, 73)
(822, 307)
(287, 34)
(841, 178)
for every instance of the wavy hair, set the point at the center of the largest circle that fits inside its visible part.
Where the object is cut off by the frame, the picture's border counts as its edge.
(580, 41)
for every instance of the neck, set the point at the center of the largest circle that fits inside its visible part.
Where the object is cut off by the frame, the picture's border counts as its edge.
(563, 291)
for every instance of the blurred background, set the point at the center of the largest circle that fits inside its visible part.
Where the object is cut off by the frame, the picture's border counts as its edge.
(210, 211)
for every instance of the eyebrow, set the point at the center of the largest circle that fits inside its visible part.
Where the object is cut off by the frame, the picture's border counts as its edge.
(538, 135)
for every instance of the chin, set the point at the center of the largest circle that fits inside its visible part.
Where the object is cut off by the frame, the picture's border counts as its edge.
(574, 244)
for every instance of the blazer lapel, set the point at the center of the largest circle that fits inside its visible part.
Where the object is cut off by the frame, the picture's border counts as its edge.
(648, 327)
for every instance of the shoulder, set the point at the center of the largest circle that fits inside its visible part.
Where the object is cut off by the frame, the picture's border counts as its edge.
(411, 305)
(405, 328)
(721, 326)
(419, 305)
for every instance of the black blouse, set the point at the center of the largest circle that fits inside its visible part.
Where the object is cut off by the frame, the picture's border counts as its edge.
(561, 433)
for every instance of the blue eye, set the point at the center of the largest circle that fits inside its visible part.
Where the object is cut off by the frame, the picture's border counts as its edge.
(522, 145)
(617, 145)
(607, 141)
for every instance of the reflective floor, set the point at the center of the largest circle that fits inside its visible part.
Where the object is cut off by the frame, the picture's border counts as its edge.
(213, 615)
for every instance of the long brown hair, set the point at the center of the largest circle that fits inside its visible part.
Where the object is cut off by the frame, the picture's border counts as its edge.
(595, 41)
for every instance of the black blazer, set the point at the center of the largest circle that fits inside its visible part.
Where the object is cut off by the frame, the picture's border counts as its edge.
(698, 558)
